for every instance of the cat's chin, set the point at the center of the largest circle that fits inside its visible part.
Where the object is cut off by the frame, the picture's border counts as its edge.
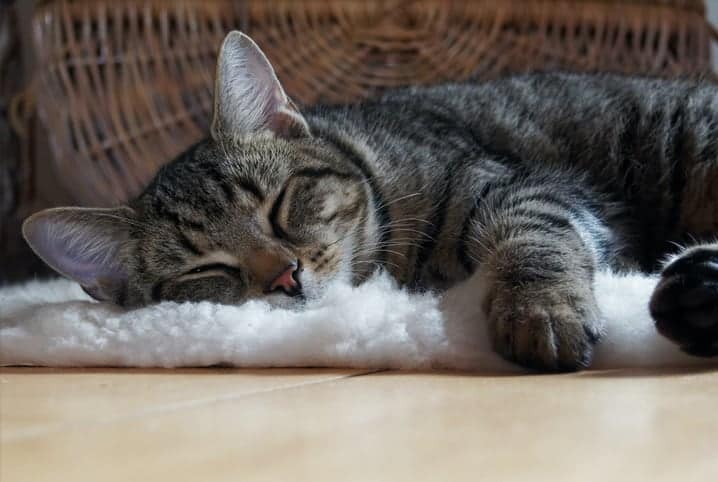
(284, 302)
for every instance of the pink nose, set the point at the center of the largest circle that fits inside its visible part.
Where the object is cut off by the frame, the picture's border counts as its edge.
(288, 281)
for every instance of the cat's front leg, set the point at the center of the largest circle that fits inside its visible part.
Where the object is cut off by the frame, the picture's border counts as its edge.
(685, 302)
(538, 262)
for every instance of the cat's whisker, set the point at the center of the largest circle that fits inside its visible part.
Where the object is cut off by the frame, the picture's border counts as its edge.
(418, 220)
(416, 231)
(400, 198)
(377, 264)
(373, 251)
(391, 251)
(399, 244)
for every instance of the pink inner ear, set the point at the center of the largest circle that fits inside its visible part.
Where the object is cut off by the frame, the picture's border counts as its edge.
(288, 125)
(248, 96)
(77, 251)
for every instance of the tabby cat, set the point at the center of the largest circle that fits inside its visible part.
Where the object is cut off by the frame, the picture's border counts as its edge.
(534, 182)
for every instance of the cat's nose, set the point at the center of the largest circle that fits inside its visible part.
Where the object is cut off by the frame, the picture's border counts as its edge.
(288, 280)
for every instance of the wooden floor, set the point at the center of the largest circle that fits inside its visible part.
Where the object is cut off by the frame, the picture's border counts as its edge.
(342, 425)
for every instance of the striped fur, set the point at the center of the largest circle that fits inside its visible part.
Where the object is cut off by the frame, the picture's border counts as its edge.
(539, 180)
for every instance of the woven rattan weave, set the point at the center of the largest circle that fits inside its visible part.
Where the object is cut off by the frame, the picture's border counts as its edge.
(124, 86)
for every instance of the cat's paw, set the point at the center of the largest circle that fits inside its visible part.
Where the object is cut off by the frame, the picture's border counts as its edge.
(684, 305)
(547, 331)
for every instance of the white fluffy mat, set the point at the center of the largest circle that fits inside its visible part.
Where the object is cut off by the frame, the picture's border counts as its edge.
(376, 325)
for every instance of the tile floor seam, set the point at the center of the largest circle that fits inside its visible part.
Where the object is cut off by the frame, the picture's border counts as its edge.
(168, 408)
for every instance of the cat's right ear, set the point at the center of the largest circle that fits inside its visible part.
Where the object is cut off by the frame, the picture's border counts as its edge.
(84, 245)
(248, 98)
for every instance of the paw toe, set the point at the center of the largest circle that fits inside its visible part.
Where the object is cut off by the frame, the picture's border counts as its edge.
(545, 340)
(576, 348)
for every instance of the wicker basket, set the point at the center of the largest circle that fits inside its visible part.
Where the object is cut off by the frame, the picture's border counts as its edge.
(124, 86)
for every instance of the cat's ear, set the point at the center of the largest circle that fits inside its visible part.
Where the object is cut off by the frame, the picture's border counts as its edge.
(84, 245)
(248, 98)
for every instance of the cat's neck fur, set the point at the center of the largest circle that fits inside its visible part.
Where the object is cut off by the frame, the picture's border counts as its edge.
(373, 235)
(409, 200)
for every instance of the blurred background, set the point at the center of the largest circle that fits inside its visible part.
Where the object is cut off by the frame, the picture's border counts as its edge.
(96, 95)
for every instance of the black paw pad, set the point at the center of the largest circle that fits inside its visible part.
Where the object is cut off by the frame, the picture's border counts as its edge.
(685, 302)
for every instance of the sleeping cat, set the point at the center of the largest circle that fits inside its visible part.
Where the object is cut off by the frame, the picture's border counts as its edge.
(534, 181)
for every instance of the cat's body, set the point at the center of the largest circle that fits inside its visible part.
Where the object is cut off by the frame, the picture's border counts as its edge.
(536, 181)
(628, 151)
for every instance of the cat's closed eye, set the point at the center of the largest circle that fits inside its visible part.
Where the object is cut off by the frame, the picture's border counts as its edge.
(277, 229)
(214, 268)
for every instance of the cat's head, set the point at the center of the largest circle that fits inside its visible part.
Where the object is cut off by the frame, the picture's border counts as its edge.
(261, 209)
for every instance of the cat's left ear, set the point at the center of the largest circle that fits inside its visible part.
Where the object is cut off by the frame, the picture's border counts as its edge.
(85, 245)
(248, 98)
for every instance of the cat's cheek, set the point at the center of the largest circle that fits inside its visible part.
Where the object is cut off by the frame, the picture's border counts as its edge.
(214, 289)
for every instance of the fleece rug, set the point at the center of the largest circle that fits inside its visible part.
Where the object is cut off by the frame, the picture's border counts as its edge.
(375, 325)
